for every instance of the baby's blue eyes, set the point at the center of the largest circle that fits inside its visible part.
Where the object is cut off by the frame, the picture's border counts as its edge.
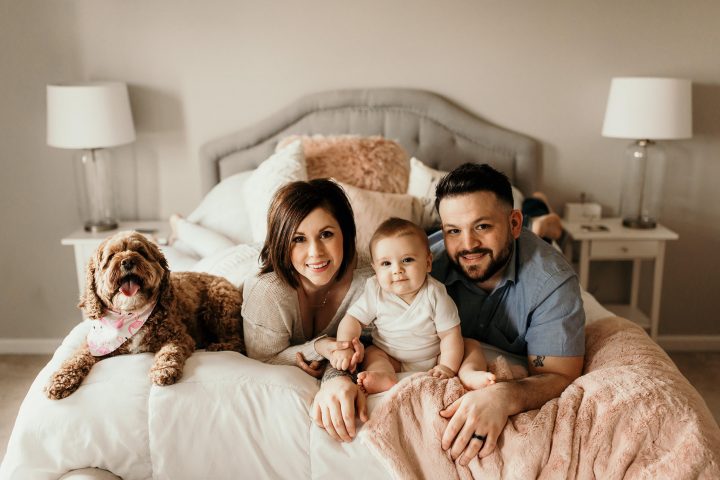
(406, 260)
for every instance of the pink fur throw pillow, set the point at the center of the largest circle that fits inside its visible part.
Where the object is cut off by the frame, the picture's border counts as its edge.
(373, 163)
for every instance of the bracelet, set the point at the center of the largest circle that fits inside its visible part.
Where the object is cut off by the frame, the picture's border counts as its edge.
(331, 373)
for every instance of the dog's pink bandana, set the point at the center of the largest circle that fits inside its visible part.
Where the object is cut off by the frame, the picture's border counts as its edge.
(112, 330)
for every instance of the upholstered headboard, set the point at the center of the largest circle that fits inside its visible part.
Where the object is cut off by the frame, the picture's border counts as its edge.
(429, 127)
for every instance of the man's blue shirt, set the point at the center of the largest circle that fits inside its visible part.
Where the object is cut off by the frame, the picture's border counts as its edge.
(536, 308)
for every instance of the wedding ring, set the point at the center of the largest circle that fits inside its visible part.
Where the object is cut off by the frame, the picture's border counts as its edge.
(479, 437)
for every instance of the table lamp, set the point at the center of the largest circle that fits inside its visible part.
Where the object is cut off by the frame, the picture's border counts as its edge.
(646, 109)
(91, 117)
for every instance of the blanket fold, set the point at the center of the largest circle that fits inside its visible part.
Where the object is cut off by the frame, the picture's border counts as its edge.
(630, 415)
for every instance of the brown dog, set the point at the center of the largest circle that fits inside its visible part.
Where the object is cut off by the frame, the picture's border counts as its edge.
(127, 276)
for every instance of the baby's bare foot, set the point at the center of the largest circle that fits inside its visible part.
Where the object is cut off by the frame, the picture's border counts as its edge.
(477, 379)
(376, 382)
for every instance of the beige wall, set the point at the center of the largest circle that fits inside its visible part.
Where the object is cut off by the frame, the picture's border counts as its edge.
(201, 69)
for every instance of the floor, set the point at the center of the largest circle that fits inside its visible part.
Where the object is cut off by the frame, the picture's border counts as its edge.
(18, 371)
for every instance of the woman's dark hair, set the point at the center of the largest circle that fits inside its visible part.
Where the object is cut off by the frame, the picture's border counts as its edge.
(473, 177)
(289, 207)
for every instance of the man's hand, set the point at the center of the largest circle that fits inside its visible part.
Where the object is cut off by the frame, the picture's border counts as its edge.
(441, 371)
(485, 412)
(335, 406)
(482, 412)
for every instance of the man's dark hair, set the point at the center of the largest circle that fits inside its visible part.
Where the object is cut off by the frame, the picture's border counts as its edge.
(473, 177)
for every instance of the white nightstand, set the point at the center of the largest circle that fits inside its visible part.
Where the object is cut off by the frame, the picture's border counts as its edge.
(620, 243)
(85, 243)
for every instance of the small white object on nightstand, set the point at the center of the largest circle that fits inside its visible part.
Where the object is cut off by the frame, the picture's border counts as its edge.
(85, 243)
(607, 239)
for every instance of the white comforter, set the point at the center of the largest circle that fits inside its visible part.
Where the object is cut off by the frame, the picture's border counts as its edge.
(228, 417)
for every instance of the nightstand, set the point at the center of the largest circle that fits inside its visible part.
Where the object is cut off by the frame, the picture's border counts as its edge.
(85, 243)
(621, 243)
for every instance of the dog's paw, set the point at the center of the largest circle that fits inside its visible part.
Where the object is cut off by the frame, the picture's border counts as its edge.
(165, 375)
(219, 347)
(62, 384)
(231, 346)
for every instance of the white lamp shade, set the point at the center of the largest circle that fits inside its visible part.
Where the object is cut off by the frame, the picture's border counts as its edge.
(644, 108)
(89, 115)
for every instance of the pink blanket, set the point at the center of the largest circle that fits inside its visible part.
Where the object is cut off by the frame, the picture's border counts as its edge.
(631, 414)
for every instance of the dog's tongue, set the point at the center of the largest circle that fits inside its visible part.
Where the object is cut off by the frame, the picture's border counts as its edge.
(129, 288)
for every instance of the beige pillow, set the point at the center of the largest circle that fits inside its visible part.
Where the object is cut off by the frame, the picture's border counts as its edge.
(422, 183)
(373, 163)
(372, 208)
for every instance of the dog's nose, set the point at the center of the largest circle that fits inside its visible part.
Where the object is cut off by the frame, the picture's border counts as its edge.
(127, 263)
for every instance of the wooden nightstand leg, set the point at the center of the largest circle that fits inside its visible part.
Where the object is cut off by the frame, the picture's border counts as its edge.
(635, 285)
(80, 262)
(657, 290)
(584, 263)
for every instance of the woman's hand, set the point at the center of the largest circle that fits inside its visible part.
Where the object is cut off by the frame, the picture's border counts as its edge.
(335, 406)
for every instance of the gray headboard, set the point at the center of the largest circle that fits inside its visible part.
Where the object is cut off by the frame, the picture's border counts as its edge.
(429, 127)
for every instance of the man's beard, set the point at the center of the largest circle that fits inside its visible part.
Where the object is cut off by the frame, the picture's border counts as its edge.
(474, 272)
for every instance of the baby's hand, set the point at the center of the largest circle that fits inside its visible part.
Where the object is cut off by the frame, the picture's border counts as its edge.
(341, 358)
(441, 371)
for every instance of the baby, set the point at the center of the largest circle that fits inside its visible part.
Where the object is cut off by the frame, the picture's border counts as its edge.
(416, 323)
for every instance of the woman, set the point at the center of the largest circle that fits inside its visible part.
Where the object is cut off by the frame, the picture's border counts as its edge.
(307, 278)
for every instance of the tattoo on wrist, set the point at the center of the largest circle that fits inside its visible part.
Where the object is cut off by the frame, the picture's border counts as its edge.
(538, 362)
(331, 373)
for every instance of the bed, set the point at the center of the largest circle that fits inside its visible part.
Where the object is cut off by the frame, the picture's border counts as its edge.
(630, 414)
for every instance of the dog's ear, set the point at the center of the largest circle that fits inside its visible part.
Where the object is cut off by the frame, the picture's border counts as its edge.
(90, 303)
(158, 255)
(167, 292)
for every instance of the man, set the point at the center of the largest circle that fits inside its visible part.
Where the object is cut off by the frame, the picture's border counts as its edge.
(513, 291)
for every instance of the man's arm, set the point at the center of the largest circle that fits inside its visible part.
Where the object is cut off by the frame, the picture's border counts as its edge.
(557, 325)
(549, 377)
(484, 412)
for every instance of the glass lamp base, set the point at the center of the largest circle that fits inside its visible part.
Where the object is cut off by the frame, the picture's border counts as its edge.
(101, 227)
(643, 223)
(96, 194)
(642, 184)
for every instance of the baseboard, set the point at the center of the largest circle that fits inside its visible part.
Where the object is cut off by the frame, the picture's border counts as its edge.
(690, 343)
(27, 346)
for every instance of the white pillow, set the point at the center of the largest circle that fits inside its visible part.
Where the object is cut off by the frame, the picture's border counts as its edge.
(235, 263)
(422, 183)
(372, 208)
(284, 166)
(223, 211)
(201, 240)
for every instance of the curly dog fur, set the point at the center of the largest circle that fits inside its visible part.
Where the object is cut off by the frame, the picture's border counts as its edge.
(193, 310)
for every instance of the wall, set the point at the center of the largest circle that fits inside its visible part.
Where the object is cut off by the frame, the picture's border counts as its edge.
(197, 70)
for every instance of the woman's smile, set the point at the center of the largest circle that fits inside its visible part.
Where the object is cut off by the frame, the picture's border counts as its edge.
(319, 266)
